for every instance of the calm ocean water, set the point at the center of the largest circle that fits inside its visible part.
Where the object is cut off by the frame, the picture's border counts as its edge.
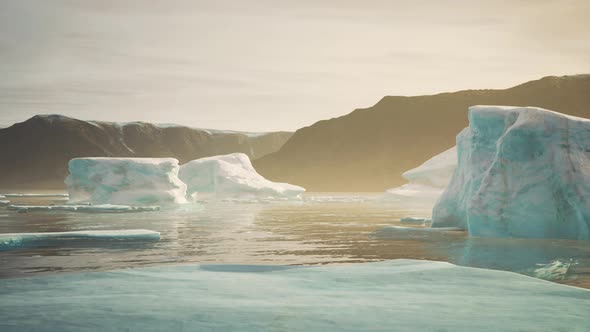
(322, 228)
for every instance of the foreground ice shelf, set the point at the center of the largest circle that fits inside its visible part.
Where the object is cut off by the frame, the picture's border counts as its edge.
(230, 175)
(18, 240)
(522, 172)
(398, 295)
(125, 181)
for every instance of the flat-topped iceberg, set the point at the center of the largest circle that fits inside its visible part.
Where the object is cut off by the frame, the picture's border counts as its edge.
(522, 172)
(18, 240)
(125, 181)
(398, 295)
(230, 175)
(427, 181)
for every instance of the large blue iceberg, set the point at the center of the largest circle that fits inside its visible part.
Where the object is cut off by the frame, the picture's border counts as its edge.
(522, 172)
(399, 295)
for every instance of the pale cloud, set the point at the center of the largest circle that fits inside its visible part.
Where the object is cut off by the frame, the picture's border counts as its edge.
(271, 65)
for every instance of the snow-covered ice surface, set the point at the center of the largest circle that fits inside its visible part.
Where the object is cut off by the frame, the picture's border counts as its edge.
(230, 176)
(20, 240)
(397, 295)
(100, 208)
(427, 181)
(522, 172)
(125, 181)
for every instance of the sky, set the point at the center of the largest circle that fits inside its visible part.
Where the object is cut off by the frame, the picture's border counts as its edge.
(266, 65)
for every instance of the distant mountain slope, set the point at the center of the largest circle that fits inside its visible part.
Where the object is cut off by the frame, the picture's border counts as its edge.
(368, 149)
(35, 153)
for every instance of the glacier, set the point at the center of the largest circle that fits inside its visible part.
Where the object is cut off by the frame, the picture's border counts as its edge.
(427, 181)
(19, 240)
(396, 295)
(522, 172)
(125, 181)
(230, 175)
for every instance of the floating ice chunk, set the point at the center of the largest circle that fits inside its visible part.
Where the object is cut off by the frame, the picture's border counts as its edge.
(83, 208)
(405, 233)
(35, 195)
(555, 270)
(3, 201)
(425, 229)
(414, 220)
(125, 181)
(398, 295)
(17, 240)
(522, 172)
(427, 181)
(231, 175)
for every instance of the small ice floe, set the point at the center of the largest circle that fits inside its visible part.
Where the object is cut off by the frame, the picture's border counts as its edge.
(555, 270)
(35, 195)
(18, 240)
(337, 199)
(4, 202)
(101, 208)
(425, 229)
(415, 220)
(397, 232)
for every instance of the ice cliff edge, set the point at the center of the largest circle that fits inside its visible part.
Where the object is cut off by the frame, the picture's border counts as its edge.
(522, 172)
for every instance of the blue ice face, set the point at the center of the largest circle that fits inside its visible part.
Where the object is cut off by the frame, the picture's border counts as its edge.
(522, 172)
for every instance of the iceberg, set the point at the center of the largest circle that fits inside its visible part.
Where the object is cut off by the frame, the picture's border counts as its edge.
(231, 175)
(125, 181)
(18, 240)
(101, 208)
(4, 201)
(427, 181)
(522, 172)
(397, 295)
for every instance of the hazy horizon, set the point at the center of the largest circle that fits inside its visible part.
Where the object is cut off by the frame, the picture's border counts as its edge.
(268, 66)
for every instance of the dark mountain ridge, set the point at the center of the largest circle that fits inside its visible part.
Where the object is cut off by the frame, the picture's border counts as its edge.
(368, 149)
(35, 153)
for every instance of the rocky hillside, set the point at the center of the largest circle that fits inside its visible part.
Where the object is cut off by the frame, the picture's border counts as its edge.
(368, 149)
(35, 153)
